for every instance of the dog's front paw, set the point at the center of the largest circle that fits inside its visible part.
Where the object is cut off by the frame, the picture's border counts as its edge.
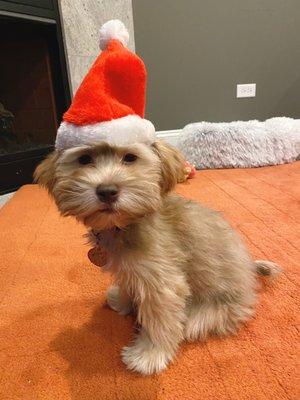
(145, 358)
(116, 303)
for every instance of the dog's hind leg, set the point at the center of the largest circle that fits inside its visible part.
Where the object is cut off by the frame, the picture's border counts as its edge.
(212, 317)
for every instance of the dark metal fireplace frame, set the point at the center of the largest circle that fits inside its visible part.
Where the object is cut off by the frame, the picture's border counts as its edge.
(16, 169)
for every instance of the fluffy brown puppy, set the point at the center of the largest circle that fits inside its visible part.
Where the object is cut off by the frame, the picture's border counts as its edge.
(178, 264)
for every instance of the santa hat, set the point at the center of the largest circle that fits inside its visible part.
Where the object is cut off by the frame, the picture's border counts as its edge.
(110, 102)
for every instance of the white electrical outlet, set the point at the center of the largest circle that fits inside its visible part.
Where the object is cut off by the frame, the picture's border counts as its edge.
(246, 90)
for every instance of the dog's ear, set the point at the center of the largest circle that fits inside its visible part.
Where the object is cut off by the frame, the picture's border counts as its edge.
(44, 174)
(172, 165)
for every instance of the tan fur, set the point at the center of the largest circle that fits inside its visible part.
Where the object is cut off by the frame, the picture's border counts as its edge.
(180, 266)
(172, 165)
(45, 172)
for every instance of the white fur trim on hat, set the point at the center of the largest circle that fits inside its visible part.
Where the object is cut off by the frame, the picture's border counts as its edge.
(113, 29)
(119, 132)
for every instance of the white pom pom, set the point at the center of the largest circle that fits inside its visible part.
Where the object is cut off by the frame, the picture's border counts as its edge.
(113, 29)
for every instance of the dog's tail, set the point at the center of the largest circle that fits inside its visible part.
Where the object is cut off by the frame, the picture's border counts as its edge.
(267, 268)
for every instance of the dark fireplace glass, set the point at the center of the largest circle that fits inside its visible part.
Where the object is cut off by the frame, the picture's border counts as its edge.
(28, 110)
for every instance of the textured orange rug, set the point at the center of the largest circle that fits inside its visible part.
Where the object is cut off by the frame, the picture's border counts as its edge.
(58, 340)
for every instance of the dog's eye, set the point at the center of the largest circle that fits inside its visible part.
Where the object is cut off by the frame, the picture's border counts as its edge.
(85, 159)
(129, 158)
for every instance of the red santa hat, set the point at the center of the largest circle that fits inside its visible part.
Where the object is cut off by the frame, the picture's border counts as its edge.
(109, 104)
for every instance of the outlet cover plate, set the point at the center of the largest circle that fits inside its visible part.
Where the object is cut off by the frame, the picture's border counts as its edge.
(246, 90)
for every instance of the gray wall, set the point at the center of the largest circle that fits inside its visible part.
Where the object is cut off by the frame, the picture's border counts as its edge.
(197, 51)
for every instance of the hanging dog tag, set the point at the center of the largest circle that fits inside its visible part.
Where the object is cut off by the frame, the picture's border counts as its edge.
(97, 256)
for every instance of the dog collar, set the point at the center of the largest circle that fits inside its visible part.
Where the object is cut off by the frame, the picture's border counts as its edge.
(101, 237)
(113, 230)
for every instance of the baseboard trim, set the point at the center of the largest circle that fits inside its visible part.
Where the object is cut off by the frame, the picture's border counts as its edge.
(170, 136)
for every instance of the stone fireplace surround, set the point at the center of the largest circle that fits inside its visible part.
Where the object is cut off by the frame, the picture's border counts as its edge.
(81, 20)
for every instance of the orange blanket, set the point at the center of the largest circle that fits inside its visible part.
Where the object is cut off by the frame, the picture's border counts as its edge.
(59, 341)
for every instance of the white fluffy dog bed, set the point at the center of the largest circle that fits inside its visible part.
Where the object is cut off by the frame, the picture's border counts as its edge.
(241, 144)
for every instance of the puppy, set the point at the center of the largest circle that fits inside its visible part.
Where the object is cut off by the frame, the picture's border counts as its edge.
(179, 265)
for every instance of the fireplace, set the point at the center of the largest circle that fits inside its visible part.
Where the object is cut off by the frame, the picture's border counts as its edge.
(34, 90)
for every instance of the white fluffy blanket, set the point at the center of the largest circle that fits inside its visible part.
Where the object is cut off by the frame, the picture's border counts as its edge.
(241, 144)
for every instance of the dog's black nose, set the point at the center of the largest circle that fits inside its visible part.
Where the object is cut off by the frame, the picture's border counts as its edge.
(107, 193)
